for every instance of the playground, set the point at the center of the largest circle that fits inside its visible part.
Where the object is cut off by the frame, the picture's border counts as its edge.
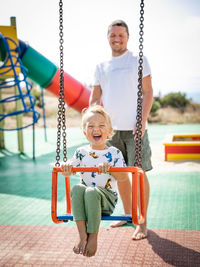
(29, 237)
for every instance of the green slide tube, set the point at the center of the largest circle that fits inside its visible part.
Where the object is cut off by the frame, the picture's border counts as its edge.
(40, 69)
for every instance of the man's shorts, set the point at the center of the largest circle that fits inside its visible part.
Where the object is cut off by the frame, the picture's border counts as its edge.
(124, 141)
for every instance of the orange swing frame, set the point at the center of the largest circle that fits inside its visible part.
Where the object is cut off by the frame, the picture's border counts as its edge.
(138, 207)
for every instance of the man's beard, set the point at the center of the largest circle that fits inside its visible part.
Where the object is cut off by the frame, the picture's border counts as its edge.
(119, 51)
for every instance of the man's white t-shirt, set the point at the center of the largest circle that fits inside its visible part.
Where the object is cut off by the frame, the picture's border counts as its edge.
(118, 79)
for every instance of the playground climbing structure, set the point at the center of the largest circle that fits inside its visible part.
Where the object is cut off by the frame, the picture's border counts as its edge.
(13, 79)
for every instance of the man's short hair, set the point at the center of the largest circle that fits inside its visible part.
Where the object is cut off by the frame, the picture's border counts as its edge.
(118, 23)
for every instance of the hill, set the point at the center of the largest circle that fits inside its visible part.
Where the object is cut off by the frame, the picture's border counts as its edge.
(167, 115)
(189, 114)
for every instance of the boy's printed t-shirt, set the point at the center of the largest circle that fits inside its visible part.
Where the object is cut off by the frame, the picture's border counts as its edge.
(87, 157)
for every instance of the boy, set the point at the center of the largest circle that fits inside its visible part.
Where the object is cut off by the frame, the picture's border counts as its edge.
(97, 193)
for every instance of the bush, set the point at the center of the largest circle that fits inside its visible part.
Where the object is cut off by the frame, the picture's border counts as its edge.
(175, 100)
(38, 95)
(155, 106)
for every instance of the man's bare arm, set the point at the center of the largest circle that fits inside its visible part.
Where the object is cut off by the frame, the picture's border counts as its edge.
(147, 91)
(95, 97)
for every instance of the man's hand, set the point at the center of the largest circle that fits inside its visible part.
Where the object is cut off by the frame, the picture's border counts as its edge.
(143, 130)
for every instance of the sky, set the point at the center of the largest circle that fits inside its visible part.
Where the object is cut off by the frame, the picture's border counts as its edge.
(171, 36)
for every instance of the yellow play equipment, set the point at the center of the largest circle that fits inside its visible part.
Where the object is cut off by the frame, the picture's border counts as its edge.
(10, 32)
(182, 147)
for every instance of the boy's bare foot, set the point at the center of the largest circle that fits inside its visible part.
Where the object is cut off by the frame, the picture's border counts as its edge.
(140, 232)
(117, 223)
(79, 248)
(91, 246)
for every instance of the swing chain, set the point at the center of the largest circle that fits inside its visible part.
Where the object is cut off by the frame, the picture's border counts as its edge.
(61, 102)
(138, 134)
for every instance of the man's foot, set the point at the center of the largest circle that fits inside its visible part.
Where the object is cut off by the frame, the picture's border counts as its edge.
(140, 232)
(117, 223)
(91, 246)
(81, 245)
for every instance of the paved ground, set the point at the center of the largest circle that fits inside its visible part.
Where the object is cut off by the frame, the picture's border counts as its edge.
(52, 246)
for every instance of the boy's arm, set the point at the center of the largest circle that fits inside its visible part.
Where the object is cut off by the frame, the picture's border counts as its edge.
(67, 169)
(119, 176)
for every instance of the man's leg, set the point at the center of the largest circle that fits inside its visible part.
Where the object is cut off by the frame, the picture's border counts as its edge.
(125, 194)
(124, 188)
(141, 230)
(127, 137)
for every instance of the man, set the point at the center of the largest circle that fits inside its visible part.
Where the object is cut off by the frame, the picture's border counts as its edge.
(116, 84)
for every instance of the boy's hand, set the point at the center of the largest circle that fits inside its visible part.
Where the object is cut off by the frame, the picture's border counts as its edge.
(104, 167)
(66, 169)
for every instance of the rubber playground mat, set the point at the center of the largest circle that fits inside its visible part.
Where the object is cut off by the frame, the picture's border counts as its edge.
(52, 246)
(25, 197)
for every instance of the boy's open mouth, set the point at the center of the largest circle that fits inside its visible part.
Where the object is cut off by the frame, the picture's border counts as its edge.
(96, 137)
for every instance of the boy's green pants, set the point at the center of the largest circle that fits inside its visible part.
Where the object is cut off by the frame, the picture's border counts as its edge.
(90, 203)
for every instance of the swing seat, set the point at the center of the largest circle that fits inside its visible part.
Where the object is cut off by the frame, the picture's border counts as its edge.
(138, 207)
(69, 217)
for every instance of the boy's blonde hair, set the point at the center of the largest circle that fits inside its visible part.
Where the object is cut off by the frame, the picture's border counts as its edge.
(96, 109)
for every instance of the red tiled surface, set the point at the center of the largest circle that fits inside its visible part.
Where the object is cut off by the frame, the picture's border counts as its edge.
(52, 246)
